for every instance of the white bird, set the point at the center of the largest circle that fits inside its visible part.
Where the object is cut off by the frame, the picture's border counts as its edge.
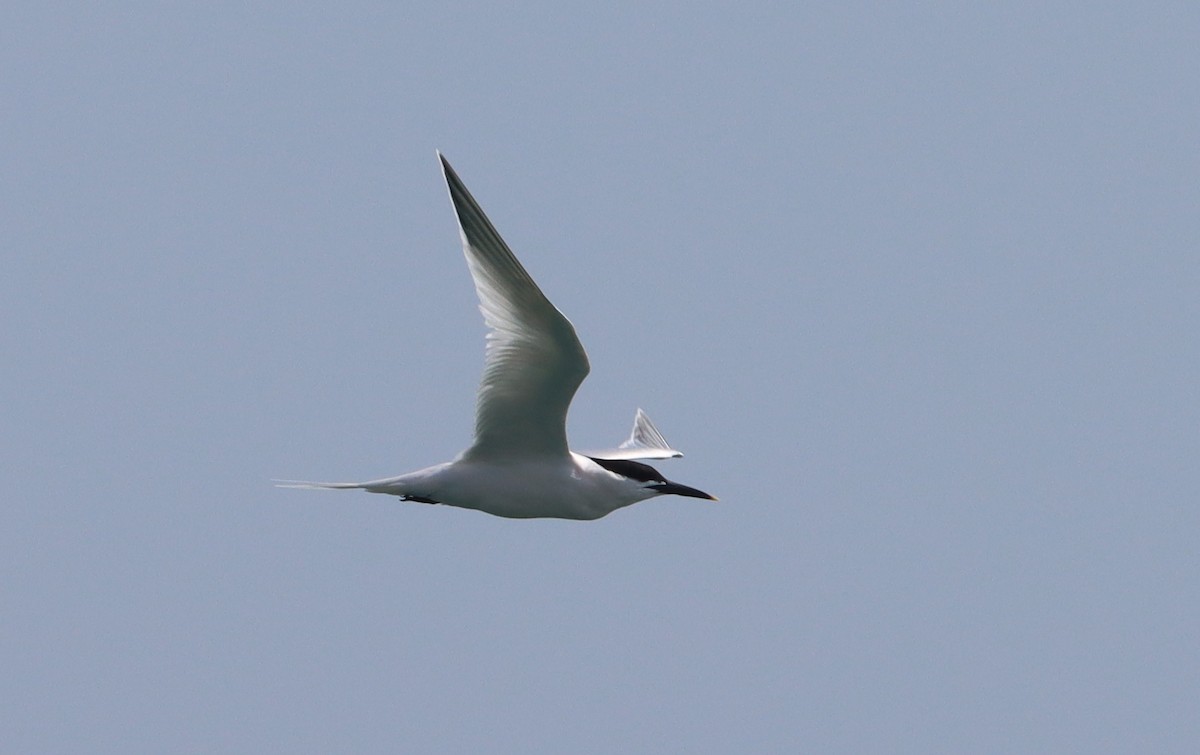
(519, 465)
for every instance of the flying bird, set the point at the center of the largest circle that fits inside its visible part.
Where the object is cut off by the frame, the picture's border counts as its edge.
(519, 465)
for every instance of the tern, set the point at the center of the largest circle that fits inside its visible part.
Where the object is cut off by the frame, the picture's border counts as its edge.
(519, 465)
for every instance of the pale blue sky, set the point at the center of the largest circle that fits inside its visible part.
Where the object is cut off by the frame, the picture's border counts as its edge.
(914, 286)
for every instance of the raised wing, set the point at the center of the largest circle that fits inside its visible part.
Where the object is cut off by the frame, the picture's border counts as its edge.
(645, 442)
(534, 361)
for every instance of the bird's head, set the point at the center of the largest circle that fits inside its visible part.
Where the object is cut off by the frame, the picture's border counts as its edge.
(650, 478)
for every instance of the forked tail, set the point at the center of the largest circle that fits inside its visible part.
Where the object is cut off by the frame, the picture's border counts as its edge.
(317, 485)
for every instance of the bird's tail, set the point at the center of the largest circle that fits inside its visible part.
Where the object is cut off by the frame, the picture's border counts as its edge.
(317, 485)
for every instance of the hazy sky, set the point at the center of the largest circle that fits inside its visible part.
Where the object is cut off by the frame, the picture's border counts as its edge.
(915, 287)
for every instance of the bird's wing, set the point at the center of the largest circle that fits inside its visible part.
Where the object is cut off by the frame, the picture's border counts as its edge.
(534, 361)
(645, 442)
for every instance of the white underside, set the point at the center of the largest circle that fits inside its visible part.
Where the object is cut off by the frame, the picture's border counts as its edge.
(573, 487)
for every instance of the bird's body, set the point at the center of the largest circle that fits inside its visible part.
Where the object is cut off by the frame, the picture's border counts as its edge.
(519, 488)
(519, 465)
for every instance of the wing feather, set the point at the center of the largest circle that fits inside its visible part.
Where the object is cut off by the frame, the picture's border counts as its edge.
(645, 442)
(534, 362)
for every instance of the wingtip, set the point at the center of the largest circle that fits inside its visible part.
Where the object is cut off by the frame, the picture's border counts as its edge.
(453, 183)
